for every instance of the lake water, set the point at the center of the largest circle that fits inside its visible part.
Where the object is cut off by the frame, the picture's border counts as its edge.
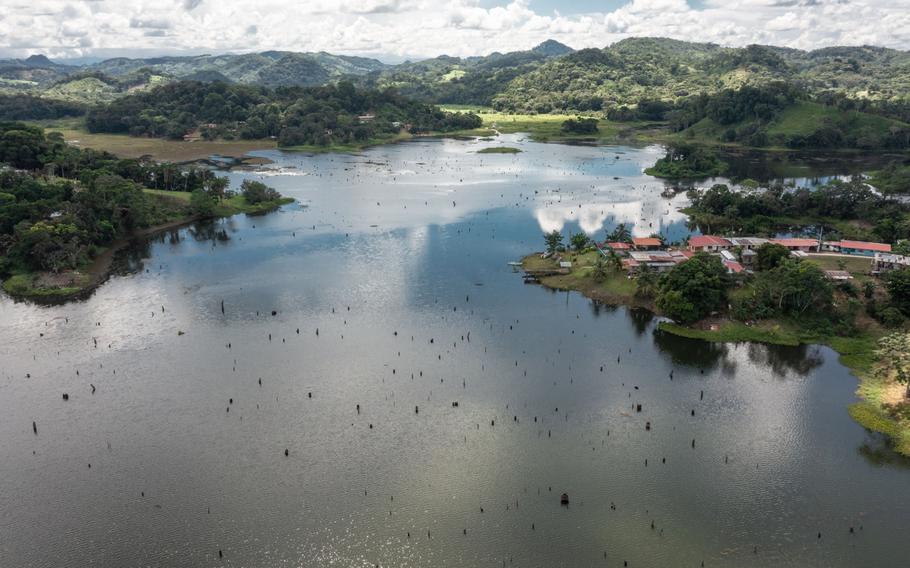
(391, 291)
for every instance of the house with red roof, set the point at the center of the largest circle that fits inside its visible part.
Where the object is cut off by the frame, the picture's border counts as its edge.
(708, 243)
(647, 243)
(803, 245)
(863, 248)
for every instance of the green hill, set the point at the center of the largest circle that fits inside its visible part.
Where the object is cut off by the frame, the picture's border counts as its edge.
(805, 124)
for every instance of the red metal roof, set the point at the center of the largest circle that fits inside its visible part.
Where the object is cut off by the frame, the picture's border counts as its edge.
(707, 240)
(619, 246)
(647, 241)
(733, 265)
(863, 245)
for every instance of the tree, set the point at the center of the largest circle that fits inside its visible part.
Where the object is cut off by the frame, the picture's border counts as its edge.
(694, 288)
(256, 192)
(646, 285)
(897, 283)
(894, 353)
(620, 234)
(794, 288)
(579, 241)
(202, 203)
(216, 187)
(599, 271)
(769, 255)
(553, 240)
(580, 125)
(614, 261)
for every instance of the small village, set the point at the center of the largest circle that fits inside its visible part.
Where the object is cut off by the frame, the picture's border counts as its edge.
(738, 253)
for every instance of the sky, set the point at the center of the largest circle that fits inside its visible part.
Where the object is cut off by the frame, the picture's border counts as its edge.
(394, 30)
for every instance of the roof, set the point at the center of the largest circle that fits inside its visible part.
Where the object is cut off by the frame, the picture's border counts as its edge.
(647, 242)
(892, 258)
(619, 246)
(747, 241)
(863, 245)
(733, 266)
(796, 242)
(699, 241)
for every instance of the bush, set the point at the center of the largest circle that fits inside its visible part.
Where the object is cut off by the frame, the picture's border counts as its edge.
(256, 192)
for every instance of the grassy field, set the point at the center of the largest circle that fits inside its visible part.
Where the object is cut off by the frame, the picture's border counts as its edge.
(158, 148)
(617, 288)
(855, 265)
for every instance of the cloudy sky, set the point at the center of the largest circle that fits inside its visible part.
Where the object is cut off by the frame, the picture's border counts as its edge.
(393, 30)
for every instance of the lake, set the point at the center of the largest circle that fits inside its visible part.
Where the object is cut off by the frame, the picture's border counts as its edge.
(432, 406)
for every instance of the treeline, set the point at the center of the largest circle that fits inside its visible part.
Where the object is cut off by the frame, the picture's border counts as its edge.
(59, 203)
(28, 107)
(837, 203)
(320, 116)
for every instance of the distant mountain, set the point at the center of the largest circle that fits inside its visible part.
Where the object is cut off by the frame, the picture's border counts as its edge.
(269, 68)
(34, 72)
(659, 68)
(552, 48)
(472, 80)
(550, 77)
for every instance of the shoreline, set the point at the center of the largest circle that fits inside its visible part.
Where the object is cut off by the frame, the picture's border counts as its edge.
(98, 270)
(855, 353)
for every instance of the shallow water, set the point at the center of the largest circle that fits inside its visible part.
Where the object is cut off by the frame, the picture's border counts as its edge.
(399, 259)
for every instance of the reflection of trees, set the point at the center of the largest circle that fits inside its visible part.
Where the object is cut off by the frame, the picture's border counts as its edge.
(209, 231)
(131, 259)
(695, 352)
(641, 319)
(878, 451)
(598, 308)
(782, 360)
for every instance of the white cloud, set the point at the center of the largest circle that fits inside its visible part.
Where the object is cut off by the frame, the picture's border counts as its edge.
(426, 28)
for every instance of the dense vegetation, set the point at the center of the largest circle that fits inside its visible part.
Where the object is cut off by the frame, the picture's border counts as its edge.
(895, 178)
(637, 69)
(845, 97)
(780, 114)
(59, 204)
(30, 107)
(580, 126)
(687, 161)
(842, 207)
(694, 289)
(319, 116)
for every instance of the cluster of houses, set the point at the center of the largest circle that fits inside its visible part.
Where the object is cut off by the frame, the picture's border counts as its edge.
(738, 253)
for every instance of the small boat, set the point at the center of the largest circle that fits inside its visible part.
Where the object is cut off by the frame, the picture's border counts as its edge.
(564, 499)
(514, 263)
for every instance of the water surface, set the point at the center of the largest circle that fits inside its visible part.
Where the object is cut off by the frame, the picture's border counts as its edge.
(391, 291)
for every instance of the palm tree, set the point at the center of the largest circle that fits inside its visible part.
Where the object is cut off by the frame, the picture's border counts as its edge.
(600, 269)
(620, 234)
(614, 261)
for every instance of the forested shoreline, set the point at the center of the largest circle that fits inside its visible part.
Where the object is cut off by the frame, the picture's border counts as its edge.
(61, 205)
